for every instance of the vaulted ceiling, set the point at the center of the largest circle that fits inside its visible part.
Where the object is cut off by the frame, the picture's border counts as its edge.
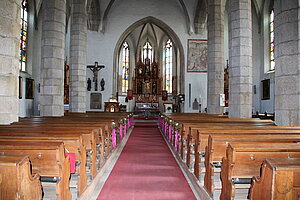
(98, 12)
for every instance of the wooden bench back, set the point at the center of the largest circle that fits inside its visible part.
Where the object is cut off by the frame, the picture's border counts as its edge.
(243, 160)
(47, 159)
(280, 179)
(16, 181)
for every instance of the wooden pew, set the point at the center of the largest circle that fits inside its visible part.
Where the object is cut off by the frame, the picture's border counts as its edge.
(243, 161)
(216, 150)
(280, 179)
(189, 130)
(72, 143)
(88, 137)
(203, 134)
(48, 160)
(60, 129)
(211, 125)
(103, 136)
(16, 181)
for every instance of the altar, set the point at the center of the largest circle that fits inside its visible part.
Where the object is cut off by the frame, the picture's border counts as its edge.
(147, 86)
(146, 82)
(147, 109)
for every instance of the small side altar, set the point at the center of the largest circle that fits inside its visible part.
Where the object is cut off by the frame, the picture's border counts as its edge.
(111, 107)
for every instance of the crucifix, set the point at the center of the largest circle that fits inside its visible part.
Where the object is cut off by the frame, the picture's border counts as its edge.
(95, 68)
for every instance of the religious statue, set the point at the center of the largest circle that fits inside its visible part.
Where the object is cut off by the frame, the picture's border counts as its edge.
(195, 104)
(140, 71)
(147, 87)
(154, 90)
(89, 84)
(95, 68)
(154, 71)
(140, 87)
(102, 84)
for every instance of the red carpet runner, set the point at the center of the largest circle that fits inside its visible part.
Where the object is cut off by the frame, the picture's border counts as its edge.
(146, 169)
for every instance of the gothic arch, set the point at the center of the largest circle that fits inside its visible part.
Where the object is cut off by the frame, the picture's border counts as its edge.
(93, 14)
(168, 31)
(200, 16)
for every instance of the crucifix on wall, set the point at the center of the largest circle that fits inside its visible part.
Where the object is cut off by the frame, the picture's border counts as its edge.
(95, 68)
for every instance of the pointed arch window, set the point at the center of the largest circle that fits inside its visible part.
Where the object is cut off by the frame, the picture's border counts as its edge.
(168, 51)
(147, 51)
(125, 67)
(23, 35)
(272, 46)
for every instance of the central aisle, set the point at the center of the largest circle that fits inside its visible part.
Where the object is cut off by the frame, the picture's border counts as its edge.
(146, 169)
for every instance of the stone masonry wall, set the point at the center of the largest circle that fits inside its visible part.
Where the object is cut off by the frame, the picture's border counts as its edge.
(287, 69)
(9, 56)
(78, 57)
(215, 83)
(53, 53)
(240, 71)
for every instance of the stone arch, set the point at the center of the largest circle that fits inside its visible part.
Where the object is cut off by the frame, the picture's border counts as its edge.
(168, 31)
(200, 16)
(93, 14)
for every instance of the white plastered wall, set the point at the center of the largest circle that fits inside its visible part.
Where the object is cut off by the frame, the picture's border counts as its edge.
(123, 14)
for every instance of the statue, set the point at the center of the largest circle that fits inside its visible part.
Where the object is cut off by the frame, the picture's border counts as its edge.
(89, 84)
(95, 68)
(154, 72)
(102, 84)
(154, 90)
(147, 87)
(140, 87)
(140, 71)
(195, 104)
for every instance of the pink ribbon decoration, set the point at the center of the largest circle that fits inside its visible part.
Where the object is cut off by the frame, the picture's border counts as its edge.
(72, 159)
(128, 123)
(114, 138)
(170, 133)
(166, 128)
(121, 131)
(176, 140)
(125, 131)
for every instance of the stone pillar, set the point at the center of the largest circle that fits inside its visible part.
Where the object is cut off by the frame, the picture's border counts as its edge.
(240, 71)
(78, 57)
(287, 64)
(215, 81)
(9, 60)
(53, 55)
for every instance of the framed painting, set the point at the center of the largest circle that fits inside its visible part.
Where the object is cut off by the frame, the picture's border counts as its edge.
(197, 55)
(29, 94)
(20, 87)
(96, 101)
(265, 89)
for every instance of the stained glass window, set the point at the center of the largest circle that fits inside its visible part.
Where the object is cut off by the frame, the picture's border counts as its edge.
(168, 66)
(125, 67)
(23, 35)
(272, 47)
(147, 51)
